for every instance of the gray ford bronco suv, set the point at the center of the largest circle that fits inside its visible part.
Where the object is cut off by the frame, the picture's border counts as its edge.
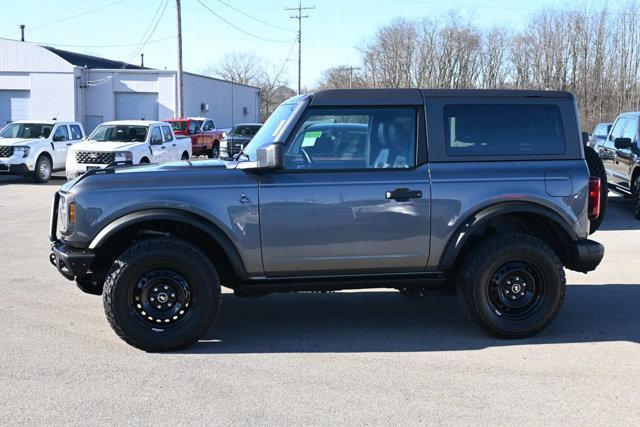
(484, 192)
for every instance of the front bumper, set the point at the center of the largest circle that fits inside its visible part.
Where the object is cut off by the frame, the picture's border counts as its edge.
(14, 169)
(71, 262)
(586, 255)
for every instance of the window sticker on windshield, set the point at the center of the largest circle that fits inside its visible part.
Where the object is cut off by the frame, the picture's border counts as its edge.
(278, 127)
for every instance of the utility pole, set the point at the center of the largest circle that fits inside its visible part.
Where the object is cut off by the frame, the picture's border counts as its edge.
(22, 32)
(179, 82)
(142, 59)
(350, 70)
(299, 17)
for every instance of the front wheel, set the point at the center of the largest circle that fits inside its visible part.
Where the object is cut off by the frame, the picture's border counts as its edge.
(512, 285)
(160, 296)
(214, 153)
(42, 172)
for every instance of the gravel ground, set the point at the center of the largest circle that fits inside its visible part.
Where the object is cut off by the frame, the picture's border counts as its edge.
(337, 358)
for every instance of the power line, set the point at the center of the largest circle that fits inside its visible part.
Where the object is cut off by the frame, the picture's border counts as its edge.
(240, 29)
(93, 46)
(253, 17)
(145, 39)
(57, 21)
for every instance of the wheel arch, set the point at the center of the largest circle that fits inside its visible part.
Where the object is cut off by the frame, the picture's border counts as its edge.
(202, 232)
(558, 233)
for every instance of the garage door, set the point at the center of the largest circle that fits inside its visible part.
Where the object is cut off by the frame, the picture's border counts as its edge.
(136, 106)
(14, 105)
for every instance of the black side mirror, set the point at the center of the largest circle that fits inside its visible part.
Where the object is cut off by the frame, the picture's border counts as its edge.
(57, 138)
(622, 143)
(156, 141)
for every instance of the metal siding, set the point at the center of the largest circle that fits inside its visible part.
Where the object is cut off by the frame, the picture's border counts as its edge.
(14, 105)
(135, 106)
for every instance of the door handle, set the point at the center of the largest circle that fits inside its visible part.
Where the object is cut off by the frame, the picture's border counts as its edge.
(68, 144)
(173, 145)
(403, 194)
(163, 147)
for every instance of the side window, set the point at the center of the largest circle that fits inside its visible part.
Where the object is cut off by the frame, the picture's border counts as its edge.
(354, 138)
(208, 125)
(167, 133)
(617, 130)
(62, 134)
(76, 132)
(156, 135)
(503, 129)
(194, 127)
(631, 129)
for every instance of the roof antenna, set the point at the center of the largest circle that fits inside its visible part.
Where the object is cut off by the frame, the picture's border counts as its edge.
(21, 32)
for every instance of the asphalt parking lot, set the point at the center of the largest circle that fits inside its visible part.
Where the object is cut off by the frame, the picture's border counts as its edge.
(341, 358)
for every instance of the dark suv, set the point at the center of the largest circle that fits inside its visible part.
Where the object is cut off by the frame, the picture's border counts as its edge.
(621, 157)
(483, 192)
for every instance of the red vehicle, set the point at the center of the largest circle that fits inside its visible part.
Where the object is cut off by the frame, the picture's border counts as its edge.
(205, 138)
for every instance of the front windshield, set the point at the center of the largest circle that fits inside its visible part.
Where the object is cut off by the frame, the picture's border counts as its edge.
(269, 130)
(26, 130)
(244, 130)
(119, 133)
(179, 126)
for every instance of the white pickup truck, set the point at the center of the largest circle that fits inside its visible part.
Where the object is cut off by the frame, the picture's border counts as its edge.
(137, 141)
(37, 148)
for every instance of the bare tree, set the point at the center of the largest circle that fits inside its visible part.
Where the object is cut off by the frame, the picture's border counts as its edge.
(238, 67)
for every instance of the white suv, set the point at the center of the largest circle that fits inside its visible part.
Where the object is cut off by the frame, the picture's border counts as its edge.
(37, 147)
(137, 141)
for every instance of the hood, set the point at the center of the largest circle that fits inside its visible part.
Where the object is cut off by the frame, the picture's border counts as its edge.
(18, 141)
(108, 146)
(238, 138)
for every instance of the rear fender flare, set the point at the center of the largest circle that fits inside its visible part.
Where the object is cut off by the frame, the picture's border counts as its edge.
(477, 221)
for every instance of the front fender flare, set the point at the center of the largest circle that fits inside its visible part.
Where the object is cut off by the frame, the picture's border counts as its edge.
(178, 216)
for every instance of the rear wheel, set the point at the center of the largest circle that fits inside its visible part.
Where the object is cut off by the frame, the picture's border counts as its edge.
(185, 156)
(596, 168)
(512, 285)
(42, 172)
(159, 294)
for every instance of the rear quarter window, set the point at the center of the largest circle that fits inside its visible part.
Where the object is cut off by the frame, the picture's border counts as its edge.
(503, 130)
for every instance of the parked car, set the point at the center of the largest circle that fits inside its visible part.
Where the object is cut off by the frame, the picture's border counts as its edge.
(205, 138)
(37, 148)
(342, 189)
(620, 155)
(129, 141)
(236, 139)
(599, 134)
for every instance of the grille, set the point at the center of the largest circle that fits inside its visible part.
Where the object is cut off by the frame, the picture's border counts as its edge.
(94, 157)
(6, 151)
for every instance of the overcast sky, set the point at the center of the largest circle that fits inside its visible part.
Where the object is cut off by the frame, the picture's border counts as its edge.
(331, 34)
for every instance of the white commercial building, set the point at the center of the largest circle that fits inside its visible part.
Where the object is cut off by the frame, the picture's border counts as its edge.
(39, 82)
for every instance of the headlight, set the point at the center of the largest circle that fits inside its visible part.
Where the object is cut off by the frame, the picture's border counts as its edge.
(121, 156)
(66, 212)
(23, 151)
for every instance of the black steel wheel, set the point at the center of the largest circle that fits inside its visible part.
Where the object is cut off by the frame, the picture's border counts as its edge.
(160, 296)
(512, 285)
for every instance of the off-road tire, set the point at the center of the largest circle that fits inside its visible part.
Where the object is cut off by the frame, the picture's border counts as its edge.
(485, 261)
(596, 168)
(163, 253)
(636, 197)
(43, 169)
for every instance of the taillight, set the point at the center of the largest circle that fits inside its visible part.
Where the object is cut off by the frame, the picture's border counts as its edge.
(594, 197)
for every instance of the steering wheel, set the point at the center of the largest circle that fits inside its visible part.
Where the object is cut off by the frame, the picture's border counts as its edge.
(306, 158)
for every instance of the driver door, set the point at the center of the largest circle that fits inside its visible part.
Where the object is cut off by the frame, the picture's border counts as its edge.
(61, 143)
(350, 200)
(159, 149)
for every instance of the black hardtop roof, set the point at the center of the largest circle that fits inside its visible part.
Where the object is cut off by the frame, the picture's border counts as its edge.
(416, 96)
